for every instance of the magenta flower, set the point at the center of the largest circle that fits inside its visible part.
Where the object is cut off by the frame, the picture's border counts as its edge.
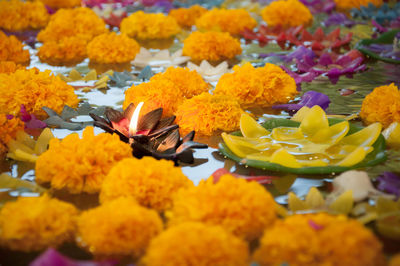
(309, 99)
(30, 120)
(338, 19)
(389, 182)
(319, 6)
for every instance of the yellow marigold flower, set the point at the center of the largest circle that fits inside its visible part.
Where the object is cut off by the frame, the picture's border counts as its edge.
(111, 48)
(186, 17)
(9, 67)
(79, 22)
(61, 3)
(196, 244)
(144, 26)
(211, 46)
(287, 13)
(11, 49)
(35, 223)
(262, 86)
(80, 165)
(68, 51)
(34, 89)
(118, 228)
(151, 182)
(233, 21)
(8, 131)
(319, 239)
(349, 4)
(16, 15)
(207, 114)
(382, 105)
(241, 207)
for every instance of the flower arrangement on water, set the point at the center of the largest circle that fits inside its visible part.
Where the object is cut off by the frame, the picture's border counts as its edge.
(8, 131)
(11, 49)
(162, 58)
(287, 13)
(186, 17)
(56, 4)
(209, 72)
(68, 51)
(349, 4)
(9, 67)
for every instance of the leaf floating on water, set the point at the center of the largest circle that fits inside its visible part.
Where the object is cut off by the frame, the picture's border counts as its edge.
(146, 73)
(120, 79)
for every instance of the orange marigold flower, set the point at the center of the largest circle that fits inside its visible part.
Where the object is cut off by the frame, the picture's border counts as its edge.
(233, 21)
(9, 67)
(241, 207)
(118, 228)
(8, 131)
(186, 17)
(262, 86)
(349, 4)
(207, 114)
(211, 46)
(16, 15)
(11, 49)
(80, 165)
(287, 13)
(382, 105)
(318, 239)
(35, 223)
(68, 51)
(196, 244)
(79, 22)
(61, 3)
(144, 26)
(111, 48)
(34, 89)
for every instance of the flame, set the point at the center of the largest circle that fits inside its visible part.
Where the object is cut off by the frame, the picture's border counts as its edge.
(135, 119)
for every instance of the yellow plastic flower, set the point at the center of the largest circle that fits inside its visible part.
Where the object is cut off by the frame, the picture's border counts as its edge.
(196, 244)
(9, 67)
(241, 207)
(151, 182)
(186, 17)
(118, 228)
(11, 49)
(382, 105)
(34, 89)
(68, 51)
(111, 48)
(207, 114)
(8, 131)
(349, 4)
(80, 165)
(144, 26)
(233, 21)
(287, 13)
(211, 46)
(262, 86)
(79, 22)
(35, 223)
(318, 239)
(16, 15)
(61, 3)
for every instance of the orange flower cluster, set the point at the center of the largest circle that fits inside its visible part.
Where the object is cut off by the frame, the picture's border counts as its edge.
(110, 48)
(349, 4)
(144, 26)
(68, 51)
(263, 86)
(233, 21)
(16, 15)
(186, 17)
(61, 3)
(211, 46)
(8, 131)
(287, 13)
(9, 67)
(11, 49)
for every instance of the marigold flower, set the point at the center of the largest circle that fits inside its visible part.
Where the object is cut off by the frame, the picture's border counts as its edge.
(68, 51)
(318, 239)
(79, 22)
(34, 90)
(241, 207)
(118, 228)
(35, 223)
(8, 131)
(11, 49)
(9, 67)
(382, 105)
(61, 3)
(196, 244)
(80, 165)
(233, 21)
(186, 17)
(206, 114)
(287, 13)
(211, 46)
(144, 26)
(16, 15)
(262, 86)
(151, 182)
(110, 48)
(349, 4)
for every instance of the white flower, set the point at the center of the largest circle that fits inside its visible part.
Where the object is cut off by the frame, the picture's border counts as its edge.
(209, 72)
(160, 59)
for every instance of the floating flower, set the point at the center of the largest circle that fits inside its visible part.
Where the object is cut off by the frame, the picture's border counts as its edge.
(186, 17)
(241, 207)
(390, 183)
(35, 223)
(318, 6)
(309, 99)
(287, 13)
(349, 4)
(209, 72)
(56, 4)
(298, 54)
(68, 51)
(233, 21)
(53, 257)
(126, 232)
(144, 26)
(80, 165)
(11, 49)
(262, 86)
(101, 3)
(34, 90)
(162, 58)
(382, 105)
(196, 244)
(9, 67)
(338, 19)
(8, 131)
(211, 46)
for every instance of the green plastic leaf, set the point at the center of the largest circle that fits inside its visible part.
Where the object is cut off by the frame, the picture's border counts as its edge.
(146, 73)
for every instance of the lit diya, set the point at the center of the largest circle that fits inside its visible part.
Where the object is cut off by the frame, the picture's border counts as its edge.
(149, 134)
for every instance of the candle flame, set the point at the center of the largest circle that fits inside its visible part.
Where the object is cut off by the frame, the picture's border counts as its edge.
(135, 119)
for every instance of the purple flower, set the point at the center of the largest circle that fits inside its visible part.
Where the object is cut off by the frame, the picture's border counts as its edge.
(309, 99)
(298, 54)
(299, 78)
(318, 6)
(315, 226)
(30, 120)
(28, 36)
(339, 19)
(389, 182)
